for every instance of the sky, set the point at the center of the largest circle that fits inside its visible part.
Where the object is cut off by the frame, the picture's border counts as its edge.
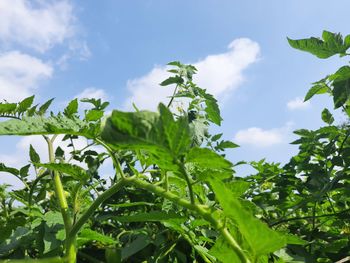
(118, 51)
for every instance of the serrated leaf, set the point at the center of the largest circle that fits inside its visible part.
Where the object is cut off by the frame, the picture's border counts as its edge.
(43, 108)
(227, 144)
(93, 115)
(316, 89)
(172, 80)
(71, 169)
(329, 45)
(327, 117)
(34, 156)
(25, 104)
(51, 125)
(71, 109)
(157, 133)
(4, 168)
(341, 92)
(223, 252)
(260, 237)
(216, 137)
(303, 132)
(7, 108)
(213, 110)
(209, 163)
(23, 172)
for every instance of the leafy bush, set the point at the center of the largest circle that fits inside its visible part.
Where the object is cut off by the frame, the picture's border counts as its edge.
(173, 196)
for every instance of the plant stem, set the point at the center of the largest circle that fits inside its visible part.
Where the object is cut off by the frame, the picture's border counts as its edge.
(70, 253)
(189, 184)
(172, 97)
(112, 155)
(202, 210)
(90, 211)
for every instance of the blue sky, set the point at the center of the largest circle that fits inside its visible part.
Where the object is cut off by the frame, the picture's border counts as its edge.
(117, 50)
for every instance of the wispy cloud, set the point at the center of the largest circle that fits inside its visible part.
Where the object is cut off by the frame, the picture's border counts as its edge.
(218, 73)
(259, 137)
(298, 104)
(20, 75)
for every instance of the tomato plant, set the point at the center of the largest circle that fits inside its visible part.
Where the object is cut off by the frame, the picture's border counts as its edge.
(173, 196)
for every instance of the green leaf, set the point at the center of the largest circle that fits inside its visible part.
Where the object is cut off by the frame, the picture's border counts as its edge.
(135, 246)
(342, 73)
(113, 255)
(216, 137)
(23, 172)
(93, 115)
(43, 108)
(25, 104)
(4, 168)
(223, 252)
(320, 88)
(227, 144)
(164, 138)
(212, 109)
(34, 156)
(172, 80)
(152, 216)
(89, 235)
(259, 236)
(52, 125)
(327, 117)
(209, 163)
(71, 169)
(329, 45)
(303, 132)
(341, 92)
(7, 108)
(71, 109)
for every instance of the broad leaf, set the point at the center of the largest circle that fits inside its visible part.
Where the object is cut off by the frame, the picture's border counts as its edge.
(260, 237)
(208, 164)
(25, 104)
(319, 88)
(341, 92)
(71, 109)
(158, 133)
(329, 45)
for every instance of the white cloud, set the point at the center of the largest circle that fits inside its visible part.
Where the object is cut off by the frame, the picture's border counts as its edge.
(36, 24)
(218, 73)
(20, 75)
(92, 93)
(298, 104)
(259, 137)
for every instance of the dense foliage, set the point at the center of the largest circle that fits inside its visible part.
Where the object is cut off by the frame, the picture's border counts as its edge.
(173, 196)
